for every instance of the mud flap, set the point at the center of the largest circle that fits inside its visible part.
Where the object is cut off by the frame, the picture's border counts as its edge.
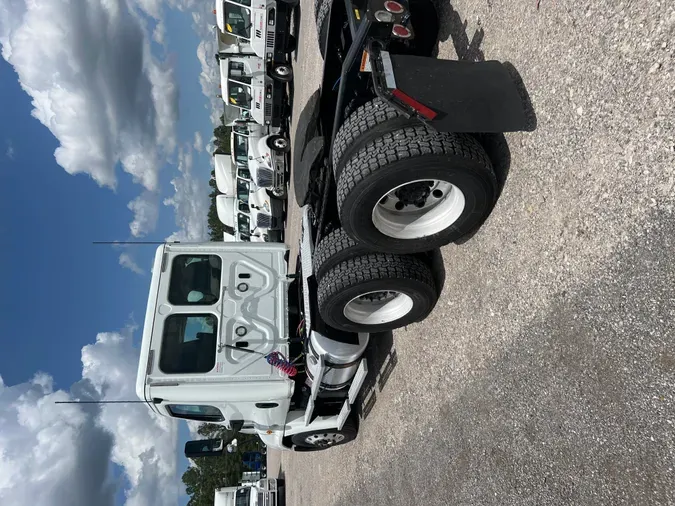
(452, 96)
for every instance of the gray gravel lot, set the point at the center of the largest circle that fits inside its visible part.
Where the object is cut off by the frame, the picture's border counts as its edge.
(546, 374)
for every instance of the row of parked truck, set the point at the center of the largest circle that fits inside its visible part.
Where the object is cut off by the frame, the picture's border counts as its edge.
(254, 46)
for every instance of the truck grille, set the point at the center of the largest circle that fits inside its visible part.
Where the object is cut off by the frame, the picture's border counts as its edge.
(264, 178)
(268, 110)
(266, 221)
(270, 39)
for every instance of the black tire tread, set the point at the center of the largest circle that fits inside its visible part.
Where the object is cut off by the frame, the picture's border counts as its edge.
(334, 248)
(361, 126)
(322, 15)
(408, 142)
(372, 266)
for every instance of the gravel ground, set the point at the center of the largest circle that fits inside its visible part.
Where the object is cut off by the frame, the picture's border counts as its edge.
(546, 374)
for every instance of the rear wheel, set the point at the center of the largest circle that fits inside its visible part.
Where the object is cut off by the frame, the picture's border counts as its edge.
(334, 248)
(376, 293)
(370, 121)
(324, 439)
(414, 190)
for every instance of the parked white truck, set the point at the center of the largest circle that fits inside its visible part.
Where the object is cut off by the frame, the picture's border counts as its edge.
(255, 217)
(245, 84)
(266, 492)
(264, 25)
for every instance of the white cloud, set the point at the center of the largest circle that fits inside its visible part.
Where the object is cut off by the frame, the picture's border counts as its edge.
(159, 33)
(60, 454)
(93, 82)
(199, 141)
(10, 152)
(146, 211)
(190, 201)
(128, 262)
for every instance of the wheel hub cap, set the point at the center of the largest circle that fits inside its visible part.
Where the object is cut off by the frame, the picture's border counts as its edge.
(418, 209)
(325, 439)
(378, 307)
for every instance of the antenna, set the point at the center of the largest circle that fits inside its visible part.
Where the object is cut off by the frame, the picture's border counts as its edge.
(154, 401)
(135, 242)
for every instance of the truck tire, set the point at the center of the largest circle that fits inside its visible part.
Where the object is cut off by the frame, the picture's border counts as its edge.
(368, 122)
(278, 193)
(334, 248)
(282, 72)
(278, 143)
(414, 190)
(376, 293)
(327, 438)
(322, 11)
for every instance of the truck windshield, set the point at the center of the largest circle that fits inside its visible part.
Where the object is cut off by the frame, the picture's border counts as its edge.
(239, 95)
(242, 193)
(244, 224)
(237, 20)
(243, 497)
(240, 149)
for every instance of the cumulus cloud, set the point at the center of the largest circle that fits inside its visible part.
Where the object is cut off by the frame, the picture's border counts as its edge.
(128, 262)
(199, 141)
(60, 454)
(94, 83)
(10, 152)
(159, 33)
(146, 211)
(190, 201)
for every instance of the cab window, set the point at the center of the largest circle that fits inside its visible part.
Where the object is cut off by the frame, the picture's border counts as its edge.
(241, 149)
(243, 188)
(239, 96)
(243, 207)
(238, 73)
(188, 344)
(196, 412)
(244, 224)
(195, 280)
(237, 20)
(243, 497)
(244, 173)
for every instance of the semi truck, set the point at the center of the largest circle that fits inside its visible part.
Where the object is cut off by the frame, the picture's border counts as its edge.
(265, 492)
(264, 25)
(389, 165)
(247, 86)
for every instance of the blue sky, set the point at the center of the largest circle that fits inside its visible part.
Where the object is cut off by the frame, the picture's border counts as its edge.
(90, 152)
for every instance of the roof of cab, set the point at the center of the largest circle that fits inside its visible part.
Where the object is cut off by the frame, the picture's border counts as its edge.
(149, 323)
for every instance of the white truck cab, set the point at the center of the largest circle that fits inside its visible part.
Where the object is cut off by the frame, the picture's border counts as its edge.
(215, 312)
(254, 217)
(246, 85)
(266, 492)
(262, 24)
(263, 154)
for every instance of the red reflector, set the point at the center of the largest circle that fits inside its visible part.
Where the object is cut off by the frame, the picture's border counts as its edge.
(420, 108)
(401, 31)
(393, 7)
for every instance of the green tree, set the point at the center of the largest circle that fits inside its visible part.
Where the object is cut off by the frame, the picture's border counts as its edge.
(209, 473)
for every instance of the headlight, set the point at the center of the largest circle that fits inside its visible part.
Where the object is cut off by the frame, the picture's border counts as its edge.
(266, 206)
